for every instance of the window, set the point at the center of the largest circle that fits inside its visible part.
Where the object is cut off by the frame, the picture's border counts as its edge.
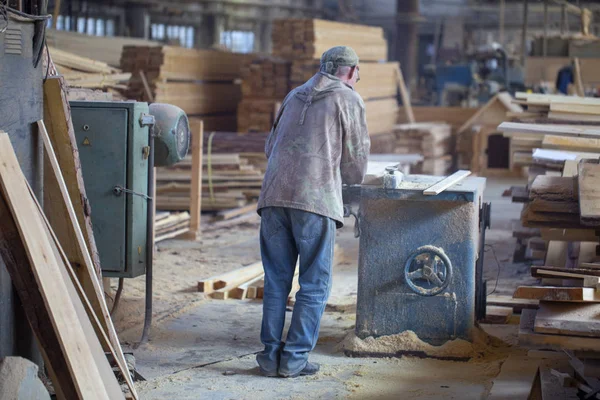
(183, 34)
(88, 26)
(238, 41)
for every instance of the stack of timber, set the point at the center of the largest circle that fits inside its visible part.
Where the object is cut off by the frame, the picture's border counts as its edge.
(560, 109)
(229, 181)
(432, 140)
(201, 82)
(169, 225)
(248, 282)
(310, 38)
(82, 72)
(102, 48)
(266, 81)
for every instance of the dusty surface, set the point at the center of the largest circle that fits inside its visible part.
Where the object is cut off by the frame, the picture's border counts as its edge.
(204, 348)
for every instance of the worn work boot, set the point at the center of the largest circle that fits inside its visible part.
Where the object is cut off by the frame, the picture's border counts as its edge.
(309, 369)
(268, 374)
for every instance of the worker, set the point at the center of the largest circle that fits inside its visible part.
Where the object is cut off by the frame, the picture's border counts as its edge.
(318, 142)
(564, 78)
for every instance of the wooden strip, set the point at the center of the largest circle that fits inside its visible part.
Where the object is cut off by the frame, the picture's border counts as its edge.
(552, 293)
(574, 319)
(446, 183)
(236, 212)
(57, 118)
(517, 304)
(211, 284)
(551, 129)
(46, 269)
(589, 192)
(233, 281)
(241, 291)
(87, 277)
(196, 191)
(571, 272)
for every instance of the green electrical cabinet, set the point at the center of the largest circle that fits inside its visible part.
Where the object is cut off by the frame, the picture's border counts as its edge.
(113, 148)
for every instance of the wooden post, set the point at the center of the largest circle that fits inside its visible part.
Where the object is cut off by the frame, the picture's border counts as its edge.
(196, 190)
(578, 79)
(410, 116)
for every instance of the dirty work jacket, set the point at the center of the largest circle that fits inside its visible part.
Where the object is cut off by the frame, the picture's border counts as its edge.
(319, 140)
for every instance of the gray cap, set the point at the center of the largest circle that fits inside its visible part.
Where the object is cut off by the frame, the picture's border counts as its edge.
(338, 56)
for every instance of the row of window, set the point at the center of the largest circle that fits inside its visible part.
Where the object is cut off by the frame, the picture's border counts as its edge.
(236, 41)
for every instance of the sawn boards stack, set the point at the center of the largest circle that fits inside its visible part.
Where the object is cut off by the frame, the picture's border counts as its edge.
(201, 82)
(297, 46)
(433, 140)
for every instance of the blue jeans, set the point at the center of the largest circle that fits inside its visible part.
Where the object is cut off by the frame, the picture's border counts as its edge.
(285, 235)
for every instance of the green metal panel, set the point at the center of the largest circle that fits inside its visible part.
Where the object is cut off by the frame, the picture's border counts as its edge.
(111, 146)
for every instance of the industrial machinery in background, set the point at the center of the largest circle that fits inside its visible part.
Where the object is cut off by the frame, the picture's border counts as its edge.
(119, 145)
(473, 82)
(420, 257)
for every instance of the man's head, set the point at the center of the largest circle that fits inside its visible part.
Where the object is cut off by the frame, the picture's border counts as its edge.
(342, 62)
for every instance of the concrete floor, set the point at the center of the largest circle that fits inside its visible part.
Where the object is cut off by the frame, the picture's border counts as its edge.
(204, 348)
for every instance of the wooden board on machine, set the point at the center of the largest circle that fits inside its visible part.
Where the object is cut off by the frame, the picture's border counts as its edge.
(310, 38)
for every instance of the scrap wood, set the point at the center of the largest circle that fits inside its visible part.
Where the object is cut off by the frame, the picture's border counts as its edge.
(572, 319)
(242, 290)
(236, 212)
(577, 273)
(497, 314)
(240, 275)
(517, 304)
(86, 367)
(530, 339)
(446, 183)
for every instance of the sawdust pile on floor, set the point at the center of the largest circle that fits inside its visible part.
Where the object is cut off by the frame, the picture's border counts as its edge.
(483, 345)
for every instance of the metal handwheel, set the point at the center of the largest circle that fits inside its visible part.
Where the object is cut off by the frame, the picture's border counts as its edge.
(428, 271)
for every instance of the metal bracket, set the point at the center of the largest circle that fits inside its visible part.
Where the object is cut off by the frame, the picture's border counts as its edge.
(147, 120)
(119, 190)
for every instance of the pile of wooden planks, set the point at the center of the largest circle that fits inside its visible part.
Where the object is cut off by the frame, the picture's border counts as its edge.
(228, 181)
(432, 140)
(309, 38)
(169, 225)
(248, 282)
(82, 72)
(201, 82)
(266, 81)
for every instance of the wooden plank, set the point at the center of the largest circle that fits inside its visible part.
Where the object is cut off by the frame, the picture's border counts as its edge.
(571, 143)
(579, 273)
(232, 283)
(589, 192)
(236, 212)
(217, 282)
(549, 129)
(573, 319)
(517, 304)
(528, 338)
(117, 354)
(46, 269)
(447, 182)
(86, 273)
(552, 293)
(515, 380)
(196, 191)
(242, 290)
(57, 118)
(497, 314)
(571, 108)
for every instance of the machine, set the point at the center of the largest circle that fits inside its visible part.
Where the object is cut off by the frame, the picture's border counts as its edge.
(420, 258)
(119, 145)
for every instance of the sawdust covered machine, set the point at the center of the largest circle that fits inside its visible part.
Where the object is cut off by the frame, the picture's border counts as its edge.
(420, 257)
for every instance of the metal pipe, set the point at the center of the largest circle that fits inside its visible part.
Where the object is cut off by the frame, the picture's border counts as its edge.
(524, 33)
(149, 238)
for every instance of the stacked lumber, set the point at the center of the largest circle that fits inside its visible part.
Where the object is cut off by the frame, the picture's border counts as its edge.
(170, 225)
(101, 48)
(201, 82)
(82, 72)
(266, 81)
(309, 38)
(229, 181)
(432, 140)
